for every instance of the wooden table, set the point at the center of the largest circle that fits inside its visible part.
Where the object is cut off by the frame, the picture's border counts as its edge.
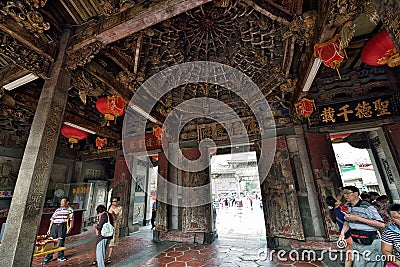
(51, 251)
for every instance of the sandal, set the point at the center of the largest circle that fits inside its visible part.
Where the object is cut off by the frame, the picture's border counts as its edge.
(108, 260)
(94, 262)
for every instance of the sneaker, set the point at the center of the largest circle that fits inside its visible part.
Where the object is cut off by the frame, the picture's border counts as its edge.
(62, 259)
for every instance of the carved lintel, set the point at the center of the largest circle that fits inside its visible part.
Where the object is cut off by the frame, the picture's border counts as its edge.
(83, 82)
(389, 11)
(36, 3)
(84, 55)
(11, 73)
(131, 20)
(115, 87)
(24, 14)
(23, 56)
(111, 152)
(343, 14)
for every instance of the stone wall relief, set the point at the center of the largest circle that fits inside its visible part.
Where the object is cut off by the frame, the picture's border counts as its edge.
(281, 207)
(328, 183)
(8, 172)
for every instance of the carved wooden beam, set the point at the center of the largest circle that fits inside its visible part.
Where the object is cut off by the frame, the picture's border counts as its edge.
(111, 152)
(129, 21)
(24, 55)
(108, 79)
(31, 103)
(11, 73)
(101, 131)
(322, 32)
(114, 86)
(15, 30)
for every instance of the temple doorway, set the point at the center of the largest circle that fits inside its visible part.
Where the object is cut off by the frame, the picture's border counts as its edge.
(356, 162)
(237, 197)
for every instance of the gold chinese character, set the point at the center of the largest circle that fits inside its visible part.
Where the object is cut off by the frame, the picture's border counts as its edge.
(220, 131)
(381, 107)
(205, 132)
(328, 114)
(132, 145)
(149, 142)
(74, 191)
(363, 110)
(345, 112)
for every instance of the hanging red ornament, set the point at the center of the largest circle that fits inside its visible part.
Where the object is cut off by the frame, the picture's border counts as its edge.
(157, 131)
(101, 142)
(380, 50)
(111, 107)
(330, 53)
(305, 108)
(73, 134)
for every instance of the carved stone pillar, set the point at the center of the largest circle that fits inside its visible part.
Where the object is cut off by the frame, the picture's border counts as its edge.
(26, 207)
(326, 176)
(307, 194)
(389, 12)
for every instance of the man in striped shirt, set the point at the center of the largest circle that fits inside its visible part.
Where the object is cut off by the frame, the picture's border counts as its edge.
(61, 223)
(391, 237)
(363, 220)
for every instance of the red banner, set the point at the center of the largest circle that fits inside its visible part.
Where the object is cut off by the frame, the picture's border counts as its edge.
(138, 144)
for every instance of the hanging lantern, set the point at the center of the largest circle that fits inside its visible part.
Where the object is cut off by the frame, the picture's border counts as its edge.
(305, 108)
(73, 134)
(157, 131)
(155, 157)
(337, 138)
(330, 53)
(380, 50)
(101, 142)
(111, 107)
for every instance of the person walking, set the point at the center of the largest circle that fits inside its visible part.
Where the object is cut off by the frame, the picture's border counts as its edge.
(363, 220)
(102, 242)
(61, 223)
(338, 216)
(153, 214)
(116, 211)
(391, 237)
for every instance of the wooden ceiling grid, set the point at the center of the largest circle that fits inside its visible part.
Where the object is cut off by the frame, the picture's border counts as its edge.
(119, 44)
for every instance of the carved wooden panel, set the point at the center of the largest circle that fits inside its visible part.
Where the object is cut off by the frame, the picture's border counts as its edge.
(281, 206)
(121, 186)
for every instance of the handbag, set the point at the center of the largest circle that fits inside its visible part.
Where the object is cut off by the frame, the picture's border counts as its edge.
(107, 230)
(363, 237)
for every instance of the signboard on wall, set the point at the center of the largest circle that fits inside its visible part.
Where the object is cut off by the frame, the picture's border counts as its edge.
(366, 109)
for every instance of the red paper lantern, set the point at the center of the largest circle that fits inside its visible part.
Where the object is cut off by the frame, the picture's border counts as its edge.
(380, 50)
(73, 134)
(330, 53)
(111, 107)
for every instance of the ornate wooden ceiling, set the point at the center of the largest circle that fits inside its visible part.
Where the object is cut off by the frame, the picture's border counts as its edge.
(119, 44)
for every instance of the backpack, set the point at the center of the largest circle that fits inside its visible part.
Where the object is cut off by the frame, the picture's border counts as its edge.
(107, 230)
